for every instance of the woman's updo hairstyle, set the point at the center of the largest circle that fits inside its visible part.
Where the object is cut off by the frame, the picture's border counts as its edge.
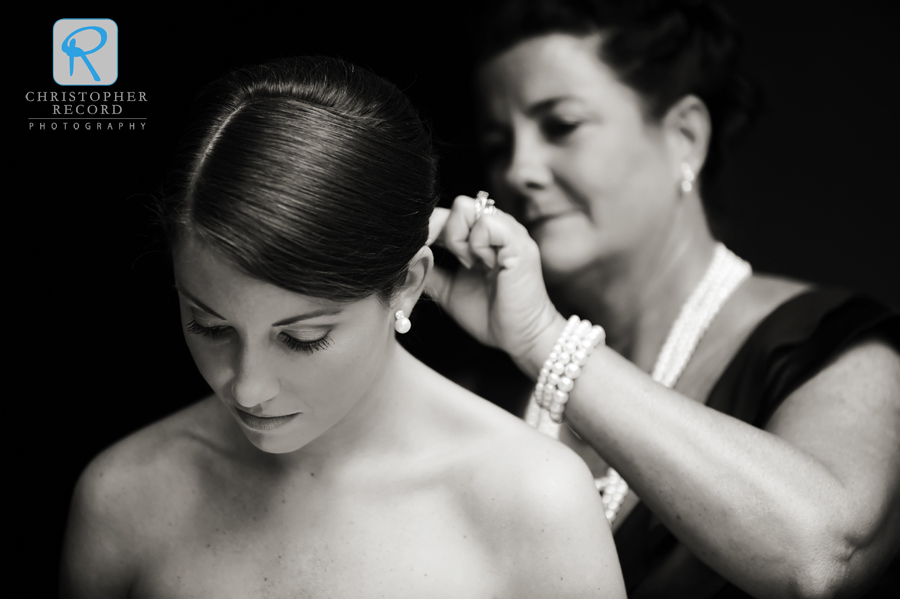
(662, 49)
(309, 173)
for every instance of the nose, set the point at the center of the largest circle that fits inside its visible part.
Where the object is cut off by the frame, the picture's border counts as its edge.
(254, 381)
(528, 170)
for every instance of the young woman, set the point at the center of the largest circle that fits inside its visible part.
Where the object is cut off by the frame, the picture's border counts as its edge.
(743, 428)
(328, 462)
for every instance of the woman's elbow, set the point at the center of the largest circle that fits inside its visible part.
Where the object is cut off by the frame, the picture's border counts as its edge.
(823, 579)
(841, 563)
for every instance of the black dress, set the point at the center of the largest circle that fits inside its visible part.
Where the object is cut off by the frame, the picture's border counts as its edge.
(785, 350)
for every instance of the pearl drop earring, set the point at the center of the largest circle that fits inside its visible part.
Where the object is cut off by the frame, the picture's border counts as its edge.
(401, 322)
(687, 178)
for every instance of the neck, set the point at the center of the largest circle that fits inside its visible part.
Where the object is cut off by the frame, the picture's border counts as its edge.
(636, 296)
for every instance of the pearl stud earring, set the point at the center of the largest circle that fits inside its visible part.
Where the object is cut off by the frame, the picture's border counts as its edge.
(687, 178)
(401, 322)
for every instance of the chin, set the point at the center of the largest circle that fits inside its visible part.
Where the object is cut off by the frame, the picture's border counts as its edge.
(562, 261)
(568, 244)
(276, 445)
(558, 274)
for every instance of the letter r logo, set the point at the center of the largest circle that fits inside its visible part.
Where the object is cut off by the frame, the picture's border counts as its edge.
(85, 52)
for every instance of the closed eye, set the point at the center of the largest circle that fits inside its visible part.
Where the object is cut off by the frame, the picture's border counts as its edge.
(214, 331)
(292, 343)
(299, 345)
(555, 129)
(494, 145)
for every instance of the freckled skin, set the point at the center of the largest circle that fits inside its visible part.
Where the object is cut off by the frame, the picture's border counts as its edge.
(251, 369)
(392, 481)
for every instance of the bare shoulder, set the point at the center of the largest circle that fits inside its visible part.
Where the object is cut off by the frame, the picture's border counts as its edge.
(854, 397)
(531, 478)
(151, 461)
(540, 503)
(750, 304)
(123, 495)
(760, 295)
(857, 391)
(510, 455)
(859, 387)
(534, 502)
(774, 289)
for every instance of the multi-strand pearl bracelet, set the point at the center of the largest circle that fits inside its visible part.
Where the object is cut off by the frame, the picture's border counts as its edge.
(555, 381)
(725, 273)
(563, 366)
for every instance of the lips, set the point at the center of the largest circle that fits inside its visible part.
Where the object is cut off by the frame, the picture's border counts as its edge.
(264, 423)
(538, 221)
(533, 223)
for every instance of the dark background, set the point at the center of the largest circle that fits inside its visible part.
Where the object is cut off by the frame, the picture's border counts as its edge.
(96, 345)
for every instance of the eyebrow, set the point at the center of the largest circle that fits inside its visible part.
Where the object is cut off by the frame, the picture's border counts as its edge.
(536, 109)
(280, 323)
(200, 304)
(546, 105)
(308, 315)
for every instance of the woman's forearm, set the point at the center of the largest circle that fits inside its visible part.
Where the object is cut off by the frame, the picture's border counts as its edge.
(765, 514)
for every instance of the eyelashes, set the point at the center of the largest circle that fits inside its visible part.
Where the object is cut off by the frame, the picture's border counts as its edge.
(198, 329)
(556, 129)
(292, 343)
(496, 144)
(305, 346)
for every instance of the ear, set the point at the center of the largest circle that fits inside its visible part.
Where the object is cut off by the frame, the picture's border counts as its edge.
(687, 126)
(419, 267)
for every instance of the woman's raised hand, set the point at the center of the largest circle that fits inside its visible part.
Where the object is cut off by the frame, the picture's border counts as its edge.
(499, 296)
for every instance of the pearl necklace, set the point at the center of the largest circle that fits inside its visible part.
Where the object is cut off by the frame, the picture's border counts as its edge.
(724, 275)
(726, 272)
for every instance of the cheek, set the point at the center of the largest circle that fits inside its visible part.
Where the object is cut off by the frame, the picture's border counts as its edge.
(568, 244)
(622, 178)
(335, 378)
(211, 360)
(603, 162)
(205, 355)
(619, 180)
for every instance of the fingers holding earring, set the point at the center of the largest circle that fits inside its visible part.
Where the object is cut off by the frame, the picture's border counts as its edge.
(459, 223)
(484, 205)
(454, 230)
(480, 235)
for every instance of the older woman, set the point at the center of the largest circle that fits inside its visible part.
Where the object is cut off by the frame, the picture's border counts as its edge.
(743, 429)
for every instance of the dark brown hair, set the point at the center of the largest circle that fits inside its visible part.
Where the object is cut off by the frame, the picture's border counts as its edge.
(309, 173)
(662, 49)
